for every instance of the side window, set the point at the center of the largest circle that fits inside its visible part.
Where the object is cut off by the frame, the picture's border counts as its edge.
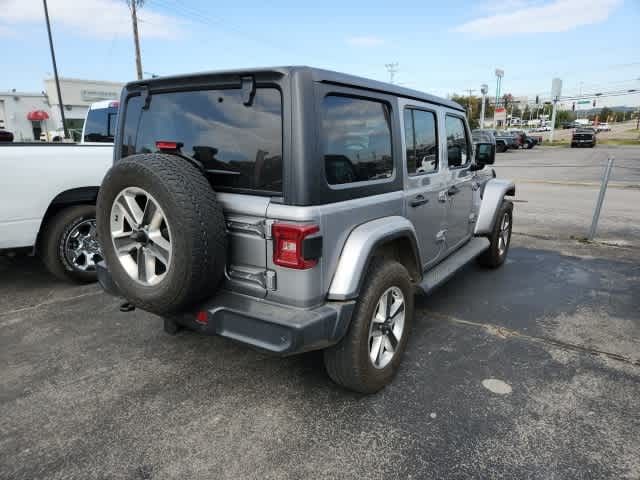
(357, 140)
(100, 125)
(458, 148)
(422, 141)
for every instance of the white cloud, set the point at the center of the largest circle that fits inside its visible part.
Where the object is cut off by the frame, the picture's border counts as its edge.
(556, 16)
(365, 41)
(96, 18)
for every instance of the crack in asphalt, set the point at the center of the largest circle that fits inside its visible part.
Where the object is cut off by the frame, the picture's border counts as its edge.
(47, 303)
(503, 332)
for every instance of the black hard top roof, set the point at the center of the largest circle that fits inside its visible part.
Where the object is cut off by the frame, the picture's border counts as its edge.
(319, 75)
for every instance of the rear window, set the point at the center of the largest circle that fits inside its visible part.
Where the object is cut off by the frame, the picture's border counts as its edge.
(100, 125)
(240, 146)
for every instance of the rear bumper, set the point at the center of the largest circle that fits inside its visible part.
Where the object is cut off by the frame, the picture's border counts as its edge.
(276, 328)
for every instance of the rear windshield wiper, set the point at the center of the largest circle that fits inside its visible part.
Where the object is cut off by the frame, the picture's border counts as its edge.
(215, 171)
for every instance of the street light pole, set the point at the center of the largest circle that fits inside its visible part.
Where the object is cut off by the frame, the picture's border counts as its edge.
(556, 91)
(55, 70)
(483, 89)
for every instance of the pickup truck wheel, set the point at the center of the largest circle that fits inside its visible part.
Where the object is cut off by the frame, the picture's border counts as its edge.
(69, 247)
(162, 232)
(500, 238)
(369, 355)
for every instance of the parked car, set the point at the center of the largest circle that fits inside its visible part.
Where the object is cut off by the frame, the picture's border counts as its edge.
(525, 141)
(6, 136)
(52, 136)
(509, 140)
(487, 136)
(227, 217)
(603, 127)
(583, 137)
(48, 193)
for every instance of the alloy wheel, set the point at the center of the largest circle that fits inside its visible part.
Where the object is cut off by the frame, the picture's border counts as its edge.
(387, 327)
(81, 248)
(141, 236)
(504, 233)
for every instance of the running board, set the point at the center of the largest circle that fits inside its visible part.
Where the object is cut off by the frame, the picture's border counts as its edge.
(450, 265)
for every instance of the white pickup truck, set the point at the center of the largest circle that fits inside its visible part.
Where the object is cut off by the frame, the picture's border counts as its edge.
(48, 194)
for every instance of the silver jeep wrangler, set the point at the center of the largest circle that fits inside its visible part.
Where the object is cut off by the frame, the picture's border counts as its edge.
(295, 209)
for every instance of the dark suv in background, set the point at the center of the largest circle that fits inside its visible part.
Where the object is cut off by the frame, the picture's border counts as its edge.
(584, 137)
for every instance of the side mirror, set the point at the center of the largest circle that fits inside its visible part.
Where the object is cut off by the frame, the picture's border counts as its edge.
(485, 155)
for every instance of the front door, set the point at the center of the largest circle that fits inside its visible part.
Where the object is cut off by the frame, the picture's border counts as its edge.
(425, 180)
(459, 190)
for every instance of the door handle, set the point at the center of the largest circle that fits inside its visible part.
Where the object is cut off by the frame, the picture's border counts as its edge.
(419, 200)
(452, 191)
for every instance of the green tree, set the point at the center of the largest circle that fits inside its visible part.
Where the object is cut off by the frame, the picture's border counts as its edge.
(604, 114)
(563, 116)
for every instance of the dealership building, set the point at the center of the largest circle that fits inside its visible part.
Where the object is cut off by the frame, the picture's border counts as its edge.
(27, 114)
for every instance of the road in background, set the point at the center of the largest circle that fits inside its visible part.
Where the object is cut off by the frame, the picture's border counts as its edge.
(623, 130)
(557, 189)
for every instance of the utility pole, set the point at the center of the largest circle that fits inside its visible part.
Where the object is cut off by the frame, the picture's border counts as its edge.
(133, 4)
(392, 68)
(55, 71)
(469, 104)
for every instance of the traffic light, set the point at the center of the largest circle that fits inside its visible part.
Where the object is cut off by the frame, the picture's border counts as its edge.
(594, 102)
(537, 99)
(573, 107)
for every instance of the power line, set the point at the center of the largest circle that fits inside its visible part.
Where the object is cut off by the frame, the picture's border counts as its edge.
(203, 18)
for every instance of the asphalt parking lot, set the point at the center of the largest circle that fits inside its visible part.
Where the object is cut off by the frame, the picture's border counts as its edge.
(529, 371)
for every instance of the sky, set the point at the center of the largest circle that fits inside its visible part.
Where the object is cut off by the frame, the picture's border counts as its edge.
(442, 47)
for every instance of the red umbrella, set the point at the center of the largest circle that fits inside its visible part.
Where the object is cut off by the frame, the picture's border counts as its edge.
(37, 115)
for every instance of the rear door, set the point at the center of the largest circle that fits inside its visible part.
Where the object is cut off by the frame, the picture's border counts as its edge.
(459, 184)
(425, 180)
(239, 145)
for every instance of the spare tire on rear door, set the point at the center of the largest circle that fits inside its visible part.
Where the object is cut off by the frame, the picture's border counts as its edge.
(162, 232)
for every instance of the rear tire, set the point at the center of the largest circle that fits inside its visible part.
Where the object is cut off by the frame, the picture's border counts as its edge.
(349, 363)
(168, 264)
(500, 238)
(55, 239)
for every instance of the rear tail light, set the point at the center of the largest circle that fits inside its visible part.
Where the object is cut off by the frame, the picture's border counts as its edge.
(289, 242)
(202, 317)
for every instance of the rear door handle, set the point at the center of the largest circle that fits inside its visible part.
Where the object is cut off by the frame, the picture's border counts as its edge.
(453, 190)
(419, 200)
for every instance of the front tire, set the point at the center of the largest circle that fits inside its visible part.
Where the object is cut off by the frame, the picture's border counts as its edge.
(369, 355)
(500, 238)
(69, 247)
